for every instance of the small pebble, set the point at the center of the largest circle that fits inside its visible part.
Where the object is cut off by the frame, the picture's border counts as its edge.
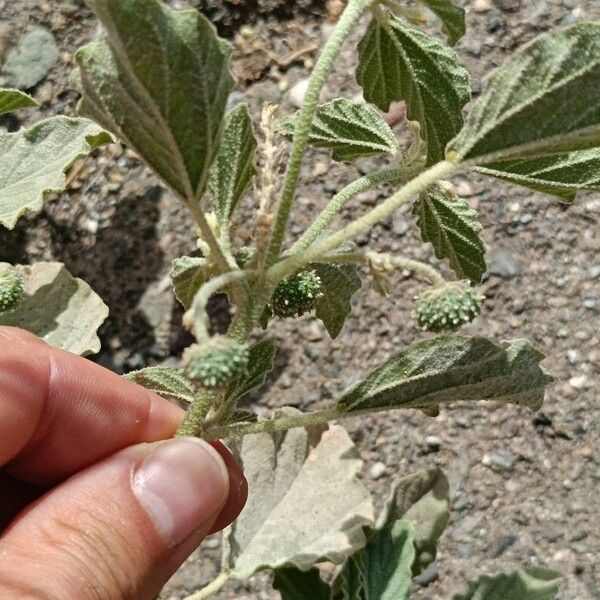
(578, 382)
(298, 91)
(377, 470)
(574, 356)
(481, 6)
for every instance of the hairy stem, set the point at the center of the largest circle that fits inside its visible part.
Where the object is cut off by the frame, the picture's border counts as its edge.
(348, 19)
(193, 421)
(338, 201)
(415, 186)
(214, 586)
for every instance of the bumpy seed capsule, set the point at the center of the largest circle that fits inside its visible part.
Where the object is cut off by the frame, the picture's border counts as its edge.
(296, 295)
(217, 362)
(448, 307)
(11, 288)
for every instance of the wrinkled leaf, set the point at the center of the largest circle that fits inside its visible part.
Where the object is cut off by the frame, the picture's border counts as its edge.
(168, 382)
(159, 80)
(260, 364)
(449, 369)
(233, 169)
(523, 584)
(243, 416)
(188, 273)
(543, 100)
(33, 162)
(452, 227)
(382, 569)
(339, 284)
(305, 503)
(61, 309)
(13, 99)
(561, 175)
(294, 584)
(352, 130)
(422, 499)
(399, 62)
(451, 16)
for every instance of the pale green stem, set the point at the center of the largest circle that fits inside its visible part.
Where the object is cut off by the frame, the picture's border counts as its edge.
(211, 588)
(203, 296)
(331, 49)
(389, 262)
(415, 186)
(340, 199)
(193, 421)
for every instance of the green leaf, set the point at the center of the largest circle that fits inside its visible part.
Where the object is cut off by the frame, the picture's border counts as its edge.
(233, 169)
(243, 416)
(452, 227)
(13, 99)
(160, 81)
(562, 175)
(449, 369)
(260, 364)
(188, 274)
(33, 162)
(422, 499)
(305, 503)
(165, 381)
(451, 16)
(399, 62)
(294, 584)
(352, 130)
(61, 309)
(543, 100)
(523, 584)
(382, 569)
(338, 284)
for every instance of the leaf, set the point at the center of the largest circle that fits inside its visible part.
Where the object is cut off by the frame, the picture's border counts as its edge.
(422, 499)
(338, 284)
(243, 416)
(452, 227)
(188, 273)
(33, 162)
(159, 80)
(61, 309)
(451, 16)
(452, 368)
(543, 100)
(260, 364)
(294, 584)
(13, 99)
(165, 381)
(352, 130)
(399, 62)
(305, 503)
(382, 569)
(562, 175)
(523, 584)
(233, 169)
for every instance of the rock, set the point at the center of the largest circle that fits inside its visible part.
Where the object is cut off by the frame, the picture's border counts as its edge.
(298, 91)
(377, 470)
(503, 262)
(34, 56)
(579, 382)
(481, 6)
(594, 272)
(502, 460)
(573, 356)
(502, 544)
(428, 575)
(433, 443)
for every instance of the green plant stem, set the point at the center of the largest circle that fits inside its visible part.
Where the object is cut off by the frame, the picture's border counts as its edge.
(193, 421)
(388, 262)
(214, 586)
(202, 297)
(346, 22)
(415, 186)
(340, 199)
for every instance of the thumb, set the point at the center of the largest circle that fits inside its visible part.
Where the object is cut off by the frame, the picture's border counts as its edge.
(119, 529)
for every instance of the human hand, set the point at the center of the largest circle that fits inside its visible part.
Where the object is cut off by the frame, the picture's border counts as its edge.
(92, 504)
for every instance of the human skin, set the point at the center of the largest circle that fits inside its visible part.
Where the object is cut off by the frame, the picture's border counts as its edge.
(94, 503)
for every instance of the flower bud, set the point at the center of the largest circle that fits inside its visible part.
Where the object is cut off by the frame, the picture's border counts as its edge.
(296, 295)
(11, 288)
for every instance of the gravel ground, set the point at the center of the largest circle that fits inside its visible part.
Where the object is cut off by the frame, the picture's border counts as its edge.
(523, 484)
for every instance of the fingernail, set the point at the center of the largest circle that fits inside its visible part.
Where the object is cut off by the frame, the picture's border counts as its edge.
(182, 486)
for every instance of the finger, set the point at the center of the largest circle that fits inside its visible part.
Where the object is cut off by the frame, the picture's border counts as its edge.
(119, 529)
(60, 413)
